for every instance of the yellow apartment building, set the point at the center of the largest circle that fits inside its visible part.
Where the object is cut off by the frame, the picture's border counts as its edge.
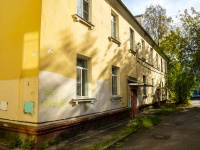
(68, 66)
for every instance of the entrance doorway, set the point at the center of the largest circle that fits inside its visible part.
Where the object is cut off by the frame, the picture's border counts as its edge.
(134, 106)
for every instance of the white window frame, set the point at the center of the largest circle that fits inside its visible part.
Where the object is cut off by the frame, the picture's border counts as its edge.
(81, 69)
(115, 78)
(143, 48)
(157, 65)
(152, 89)
(151, 55)
(132, 39)
(81, 11)
(144, 87)
(113, 26)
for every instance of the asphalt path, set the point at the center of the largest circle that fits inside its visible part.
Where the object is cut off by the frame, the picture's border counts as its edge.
(178, 131)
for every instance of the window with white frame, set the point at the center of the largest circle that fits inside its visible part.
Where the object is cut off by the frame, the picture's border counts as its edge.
(83, 9)
(152, 89)
(151, 56)
(131, 39)
(113, 26)
(143, 49)
(161, 61)
(82, 77)
(157, 61)
(144, 88)
(114, 80)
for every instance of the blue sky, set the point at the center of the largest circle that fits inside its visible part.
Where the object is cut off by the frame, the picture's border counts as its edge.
(137, 7)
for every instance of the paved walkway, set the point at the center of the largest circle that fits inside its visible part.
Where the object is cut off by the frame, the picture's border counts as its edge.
(179, 131)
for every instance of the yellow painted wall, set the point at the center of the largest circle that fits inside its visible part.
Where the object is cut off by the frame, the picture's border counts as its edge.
(19, 48)
(63, 39)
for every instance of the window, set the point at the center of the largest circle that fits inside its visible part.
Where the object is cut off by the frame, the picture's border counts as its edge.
(161, 64)
(82, 77)
(151, 56)
(145, 90)
(143, 49)
(152, 89)
(113, 27)
(165, 66)
(114, 80)
(83, 9)
(157, 60)
(131, 39)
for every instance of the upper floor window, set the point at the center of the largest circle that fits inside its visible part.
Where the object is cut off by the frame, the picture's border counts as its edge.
(131, 39)
(113, 27)
(114, 80)
(83, 9)
(82, 77)
(157, 61)
(143, 49)
(151, 55)
(165, 66)
(161, 64)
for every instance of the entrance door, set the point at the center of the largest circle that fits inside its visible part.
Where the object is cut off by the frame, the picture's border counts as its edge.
(134, 102)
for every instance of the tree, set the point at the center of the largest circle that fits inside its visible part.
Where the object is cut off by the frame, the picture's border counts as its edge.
(190, 31)
(156, 23)
(182, 47)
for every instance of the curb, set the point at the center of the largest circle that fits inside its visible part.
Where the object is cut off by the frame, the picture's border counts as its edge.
(118, 140)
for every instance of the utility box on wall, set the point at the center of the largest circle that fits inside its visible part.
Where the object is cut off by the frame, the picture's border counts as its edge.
(28, 107)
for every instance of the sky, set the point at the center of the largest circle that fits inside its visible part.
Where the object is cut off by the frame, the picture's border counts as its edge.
(137, 7)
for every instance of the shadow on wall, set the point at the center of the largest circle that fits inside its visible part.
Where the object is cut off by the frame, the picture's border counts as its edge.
(60, 89)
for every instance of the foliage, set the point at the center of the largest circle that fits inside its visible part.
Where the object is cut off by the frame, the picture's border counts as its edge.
(27, 144)
(16, 142)
(165, 111)
(49, 143)
(182, 46)
(139, 122)
(190, 29)
(156, 23)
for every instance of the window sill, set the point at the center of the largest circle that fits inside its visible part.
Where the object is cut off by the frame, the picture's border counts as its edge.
(132, 51)
(83, 100)
(111, 39)
(116, 97)
(79, 19)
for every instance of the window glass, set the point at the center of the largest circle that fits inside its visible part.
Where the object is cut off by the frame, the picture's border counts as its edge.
(113, 26)
(82, 77)
(83, 9)
(131, 40)
(114, 80)
(144, 80)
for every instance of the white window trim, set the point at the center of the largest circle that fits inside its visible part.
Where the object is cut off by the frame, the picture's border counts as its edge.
(84, 100)
(79, 18)
(81, 68)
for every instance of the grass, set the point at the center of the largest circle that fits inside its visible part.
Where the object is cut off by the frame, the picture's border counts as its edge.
(134, 126)
(138, 123)
(28, 143)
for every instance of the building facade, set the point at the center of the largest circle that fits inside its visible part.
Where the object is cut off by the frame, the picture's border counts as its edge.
(69, 64)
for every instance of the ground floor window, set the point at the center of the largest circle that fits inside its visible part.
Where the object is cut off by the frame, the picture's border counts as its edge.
(114, 80)
(82, 77)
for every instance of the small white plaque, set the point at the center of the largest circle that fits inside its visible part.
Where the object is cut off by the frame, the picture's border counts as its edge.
(4, 106)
